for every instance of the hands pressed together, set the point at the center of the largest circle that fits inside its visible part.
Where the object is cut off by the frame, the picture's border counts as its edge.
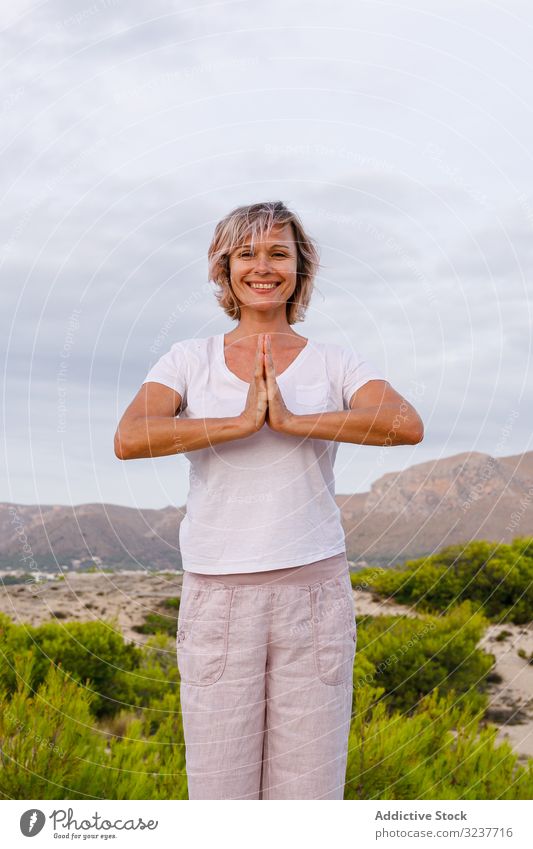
(264, 402)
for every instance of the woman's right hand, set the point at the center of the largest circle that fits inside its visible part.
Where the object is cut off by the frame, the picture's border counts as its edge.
(254, 413)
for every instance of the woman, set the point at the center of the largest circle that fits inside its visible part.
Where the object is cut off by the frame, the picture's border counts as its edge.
(266, 629)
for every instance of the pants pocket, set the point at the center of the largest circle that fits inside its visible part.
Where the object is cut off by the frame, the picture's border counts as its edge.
(202, 636)
(334, 629)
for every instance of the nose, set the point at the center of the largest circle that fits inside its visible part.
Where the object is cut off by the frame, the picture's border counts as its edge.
(262, 262)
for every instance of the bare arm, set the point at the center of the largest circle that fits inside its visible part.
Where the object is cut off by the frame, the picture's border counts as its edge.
(149, 428)
(378, 415)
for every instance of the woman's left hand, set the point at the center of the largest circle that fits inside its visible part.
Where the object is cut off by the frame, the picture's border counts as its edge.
(277, 415)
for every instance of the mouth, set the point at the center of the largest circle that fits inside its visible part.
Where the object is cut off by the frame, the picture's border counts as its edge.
(263, 287)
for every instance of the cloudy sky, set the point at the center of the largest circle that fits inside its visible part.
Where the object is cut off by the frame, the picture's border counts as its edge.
(402, 134)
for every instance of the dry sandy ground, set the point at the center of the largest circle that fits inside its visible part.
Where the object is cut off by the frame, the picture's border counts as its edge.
(126, 597)
(129, 597)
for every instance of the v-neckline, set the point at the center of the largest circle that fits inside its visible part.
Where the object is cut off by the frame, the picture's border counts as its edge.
(242, 382)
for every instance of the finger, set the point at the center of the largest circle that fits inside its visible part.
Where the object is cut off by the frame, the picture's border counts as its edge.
(266, 368)
(263, 348)
(259, 366)
(269, 362)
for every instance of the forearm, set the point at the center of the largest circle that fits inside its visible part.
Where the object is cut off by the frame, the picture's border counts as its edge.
(159, 436)
(383, 425)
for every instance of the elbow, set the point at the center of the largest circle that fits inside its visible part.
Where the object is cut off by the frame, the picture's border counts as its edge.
(121, 447)
(129, 442)
(417, 433)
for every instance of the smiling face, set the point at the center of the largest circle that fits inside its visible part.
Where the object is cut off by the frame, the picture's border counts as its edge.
(264, 276)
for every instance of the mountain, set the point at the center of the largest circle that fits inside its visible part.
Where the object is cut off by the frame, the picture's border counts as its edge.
(430, 505)
(405, 514)
(119, 537)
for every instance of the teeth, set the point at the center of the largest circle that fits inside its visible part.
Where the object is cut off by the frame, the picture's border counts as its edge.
(263, 285)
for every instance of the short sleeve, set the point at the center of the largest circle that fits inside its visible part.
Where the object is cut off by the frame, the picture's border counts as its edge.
(170, 370)
(357, 372)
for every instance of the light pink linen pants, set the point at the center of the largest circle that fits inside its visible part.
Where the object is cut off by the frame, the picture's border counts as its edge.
(266, 664)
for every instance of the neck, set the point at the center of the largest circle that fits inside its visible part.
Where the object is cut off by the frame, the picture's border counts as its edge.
(251, 325)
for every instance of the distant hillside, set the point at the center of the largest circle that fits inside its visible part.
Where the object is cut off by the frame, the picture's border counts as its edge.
(121, 537)
(441, 502)
(406, 514)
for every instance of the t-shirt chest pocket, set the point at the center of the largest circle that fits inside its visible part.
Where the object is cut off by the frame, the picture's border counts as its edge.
(214, 402)
(312, 396)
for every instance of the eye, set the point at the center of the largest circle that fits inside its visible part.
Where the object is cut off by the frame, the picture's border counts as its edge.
(249, 253)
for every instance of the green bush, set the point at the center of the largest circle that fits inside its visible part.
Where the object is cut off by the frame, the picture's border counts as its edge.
(411, 656)
(497, 578)
(54, 746)
(163, 622)
(503, 635)
(157, 673)
(149, 761)
(157, 623)
(93, 653)
(525, 656)
(46, 735)
(173, 603)
(440, 752)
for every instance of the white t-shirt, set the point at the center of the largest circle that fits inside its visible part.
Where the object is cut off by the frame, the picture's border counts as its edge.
(266, 501)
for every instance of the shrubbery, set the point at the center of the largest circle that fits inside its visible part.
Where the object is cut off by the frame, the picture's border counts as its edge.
(165, 621)
(411, 656)
(54, 748)
(440, 752)
(93, 651)
(497, 578)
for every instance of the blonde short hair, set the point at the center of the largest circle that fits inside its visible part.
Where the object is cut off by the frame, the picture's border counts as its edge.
(257, 219)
